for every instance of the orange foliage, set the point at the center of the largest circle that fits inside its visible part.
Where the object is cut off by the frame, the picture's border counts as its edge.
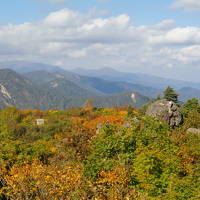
(26, 112)
(111, 119)
(114, 185)
(116, 176)
(38, 181)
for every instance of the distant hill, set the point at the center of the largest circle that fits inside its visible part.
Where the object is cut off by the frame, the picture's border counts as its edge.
(60, 93)
(66, 88)
(188, 92)
(106, 101)
(136, 78)
(95, 85)
(131, 98)
(108, 74)
(50, 87)
(18, 91)
(43, 78)
(25, 66)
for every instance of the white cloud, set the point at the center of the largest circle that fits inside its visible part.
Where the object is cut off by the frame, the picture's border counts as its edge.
(64, 17)
(73, 39)
(188, 5)
(184, 36)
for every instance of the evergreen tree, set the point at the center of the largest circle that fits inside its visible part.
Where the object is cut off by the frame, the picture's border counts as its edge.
(170, 95)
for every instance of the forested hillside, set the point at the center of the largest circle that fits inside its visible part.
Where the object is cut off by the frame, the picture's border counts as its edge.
(98, 153)
(44, 90)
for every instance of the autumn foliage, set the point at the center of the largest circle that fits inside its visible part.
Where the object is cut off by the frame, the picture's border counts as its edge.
(98, 154)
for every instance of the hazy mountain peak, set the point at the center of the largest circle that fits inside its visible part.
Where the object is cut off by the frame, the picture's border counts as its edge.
(107, 69)
(25, 66)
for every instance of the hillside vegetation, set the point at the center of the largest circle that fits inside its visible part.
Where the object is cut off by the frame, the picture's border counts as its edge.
(45, 90)
(98, 153)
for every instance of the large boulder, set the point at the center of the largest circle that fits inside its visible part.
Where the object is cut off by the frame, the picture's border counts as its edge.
(167, 111)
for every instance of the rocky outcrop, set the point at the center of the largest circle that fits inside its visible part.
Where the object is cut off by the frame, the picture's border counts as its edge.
(167, 111)
(193, 130)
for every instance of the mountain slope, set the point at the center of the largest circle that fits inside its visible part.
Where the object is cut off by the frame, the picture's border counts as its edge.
(18, 91)
(188, 92)
(131, 98)
(66, 88)
(95, 85)
(43, 78)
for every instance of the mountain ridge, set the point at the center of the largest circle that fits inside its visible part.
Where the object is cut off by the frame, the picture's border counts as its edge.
(17, 90)
(61, 87)
(137, 78)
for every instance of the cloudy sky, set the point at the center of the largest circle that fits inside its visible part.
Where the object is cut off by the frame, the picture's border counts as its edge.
(160, 37)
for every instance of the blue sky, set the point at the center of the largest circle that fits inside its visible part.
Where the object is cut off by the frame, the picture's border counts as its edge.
(142, 12)
(155, 37)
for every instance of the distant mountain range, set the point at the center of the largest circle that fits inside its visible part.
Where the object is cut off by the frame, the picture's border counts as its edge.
(59, 93)
(136, 78)
(42, 86)
(95, 85)
(24, 66)
(147, 85)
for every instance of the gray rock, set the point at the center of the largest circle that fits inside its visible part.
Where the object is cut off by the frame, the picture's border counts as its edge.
(193, 130)
(167, 111)
(127, 125)
(135, 120)
(40, 122)
(98, 128)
